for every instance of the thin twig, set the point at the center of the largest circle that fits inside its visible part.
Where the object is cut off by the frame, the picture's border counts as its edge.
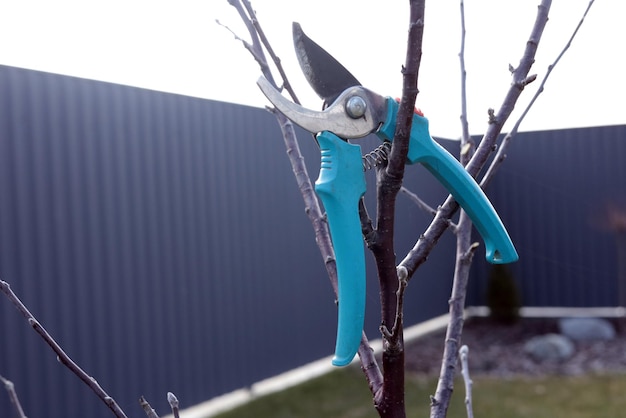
(245, 43)
(298, 165)
(466, 139)
(501, 154)
(255, 47)
(392, 336)
(270, 50)
(419, 202)
(61, 355)
(454, 330)
(173, 401)
(463, 353)
(145, 405)
(10, 387)
(465, 252)
(425, 206)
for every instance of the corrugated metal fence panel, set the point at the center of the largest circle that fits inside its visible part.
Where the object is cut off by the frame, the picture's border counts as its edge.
(135, 224)
(553, 192)
(162, 240)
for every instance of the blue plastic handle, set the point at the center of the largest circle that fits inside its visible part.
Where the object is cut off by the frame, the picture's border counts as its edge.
(340, 186)
(447, 169)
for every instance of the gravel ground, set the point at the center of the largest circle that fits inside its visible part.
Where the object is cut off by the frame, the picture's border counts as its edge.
(498, 350)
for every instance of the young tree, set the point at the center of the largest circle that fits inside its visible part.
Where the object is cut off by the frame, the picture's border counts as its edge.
(387, 385)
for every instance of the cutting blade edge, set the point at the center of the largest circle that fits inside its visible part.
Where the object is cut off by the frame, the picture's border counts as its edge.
(327, 77)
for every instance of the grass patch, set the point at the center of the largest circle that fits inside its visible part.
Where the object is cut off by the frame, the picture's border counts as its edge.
(344, 394)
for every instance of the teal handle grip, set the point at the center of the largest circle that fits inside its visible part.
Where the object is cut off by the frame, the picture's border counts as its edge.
(340, 186)
(447, 169)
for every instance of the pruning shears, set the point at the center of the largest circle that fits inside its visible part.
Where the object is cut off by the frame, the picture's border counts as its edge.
(352, 111)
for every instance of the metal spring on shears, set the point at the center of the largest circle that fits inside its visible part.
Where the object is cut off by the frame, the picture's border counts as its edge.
(377, 156)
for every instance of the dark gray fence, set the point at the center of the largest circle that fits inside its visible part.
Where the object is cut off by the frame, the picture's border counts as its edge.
(162, 240)
(554, 193)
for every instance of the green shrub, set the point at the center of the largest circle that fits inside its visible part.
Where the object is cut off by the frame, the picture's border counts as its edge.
(503, 297)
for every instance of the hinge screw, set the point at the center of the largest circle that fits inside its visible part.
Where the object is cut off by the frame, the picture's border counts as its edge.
(355, 107)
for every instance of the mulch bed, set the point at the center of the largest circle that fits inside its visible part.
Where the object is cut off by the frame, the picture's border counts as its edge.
(498, 350)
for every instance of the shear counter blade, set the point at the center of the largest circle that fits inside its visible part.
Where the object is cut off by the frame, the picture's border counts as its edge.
(326, 76)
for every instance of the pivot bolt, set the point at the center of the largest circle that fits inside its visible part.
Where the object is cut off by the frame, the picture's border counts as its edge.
(355, 107)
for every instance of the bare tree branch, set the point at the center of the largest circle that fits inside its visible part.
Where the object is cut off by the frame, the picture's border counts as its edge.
(422, 248)
(419, 202)
(255, 47)
(501, 154)
(10, 387)
(425, 206)
(466, 139)
(245, 44)
(61, 355)
(464, 248)
(312, 206)
(390, 402)
(270, 50)
(464, 255)
(445, 385)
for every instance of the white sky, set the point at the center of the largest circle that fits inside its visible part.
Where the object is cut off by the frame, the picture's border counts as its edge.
(178, 47)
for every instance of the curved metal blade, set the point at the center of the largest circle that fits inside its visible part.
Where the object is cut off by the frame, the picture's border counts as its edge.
(325, 74)
(334, 118)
